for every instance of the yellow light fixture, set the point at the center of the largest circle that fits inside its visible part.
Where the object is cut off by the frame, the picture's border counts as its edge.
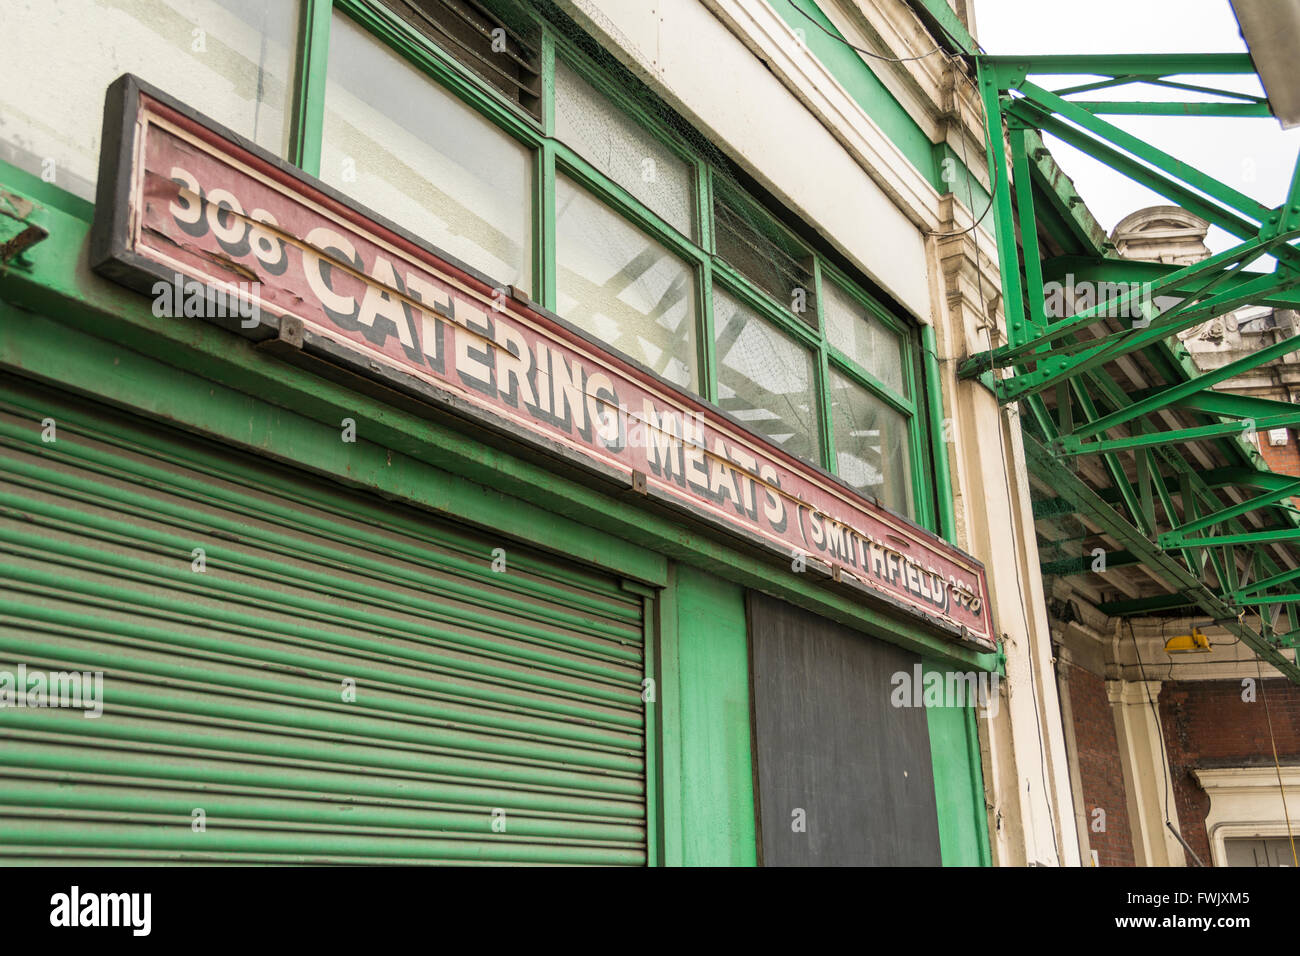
(1193, 643)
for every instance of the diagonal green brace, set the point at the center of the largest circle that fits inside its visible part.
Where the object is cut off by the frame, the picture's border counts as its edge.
(1051, 371)
(1172, 394)
(1075, 113)
(1164, 565)
(1180, 535)
(1283, 577)
(1173, 283)
(1071, 445)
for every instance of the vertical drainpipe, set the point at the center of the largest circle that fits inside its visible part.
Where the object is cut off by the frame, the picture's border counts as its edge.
(947, 516)
(938, 447)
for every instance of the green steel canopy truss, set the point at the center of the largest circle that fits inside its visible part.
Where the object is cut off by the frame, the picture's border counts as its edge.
(1224, 540)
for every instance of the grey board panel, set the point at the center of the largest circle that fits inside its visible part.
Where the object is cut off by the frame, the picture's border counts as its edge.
(828, 741)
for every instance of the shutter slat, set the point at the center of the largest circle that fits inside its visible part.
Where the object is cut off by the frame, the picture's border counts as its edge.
(475, 690)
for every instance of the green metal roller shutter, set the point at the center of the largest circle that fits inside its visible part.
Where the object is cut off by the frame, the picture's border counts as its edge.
(476, 691)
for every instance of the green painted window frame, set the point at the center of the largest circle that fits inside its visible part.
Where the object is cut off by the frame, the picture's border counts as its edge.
(699, 251)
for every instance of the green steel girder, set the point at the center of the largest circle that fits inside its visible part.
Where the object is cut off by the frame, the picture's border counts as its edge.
(1267, 536)
(1043, 352)
(1130, 607)
(1198, 88)
(1210, 402)
(1245, 477)
(1180, 536)
(1127, 64)
(1157, 158)
(1051, 508)
(939, 14)
(1129, 272)
(1052, 369)
(1174, 283)
(1193, 488)
(1114, 468)
(1115, 82)
(1195, 560)
(1074, 216)
(1257, 601)
(1292, 637)
(1073, 445)
(1289, 212)
(1283, 577)
(1186, 389)
(1136, 108)
(1214, 478)
(1167, 186)
(1185, 584)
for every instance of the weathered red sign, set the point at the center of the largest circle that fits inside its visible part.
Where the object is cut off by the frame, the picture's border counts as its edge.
(212, 226)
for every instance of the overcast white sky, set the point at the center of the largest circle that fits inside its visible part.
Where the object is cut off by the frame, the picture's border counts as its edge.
(1252, 155)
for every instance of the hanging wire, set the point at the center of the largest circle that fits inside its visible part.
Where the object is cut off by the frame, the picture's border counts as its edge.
(993, 185)
(1164, 756)
(871, 53)
(965, 159)
(956, 69)
(1276, 765)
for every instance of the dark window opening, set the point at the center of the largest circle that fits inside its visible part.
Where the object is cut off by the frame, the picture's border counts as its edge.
(505, 55)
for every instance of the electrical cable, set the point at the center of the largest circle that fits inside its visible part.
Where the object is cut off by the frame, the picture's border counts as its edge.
(965, 158)
(1164, 756)
(871, 53)
(993, 184)
(1276, 765)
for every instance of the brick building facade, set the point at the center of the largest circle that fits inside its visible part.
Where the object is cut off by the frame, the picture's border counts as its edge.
(1098, 758)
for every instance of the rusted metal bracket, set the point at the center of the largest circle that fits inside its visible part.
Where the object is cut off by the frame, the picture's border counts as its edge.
(17, 235)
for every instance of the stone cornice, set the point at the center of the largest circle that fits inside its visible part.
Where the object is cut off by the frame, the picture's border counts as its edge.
(771, 39)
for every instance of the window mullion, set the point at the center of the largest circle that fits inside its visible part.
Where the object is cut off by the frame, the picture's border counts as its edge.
(309, 85)
(704, 234)
(848, 367)
(704, 206)
(544, 268)
(708, 357)
(387, 25)
(762, 302)
(829, 458)
(544, 285)
(617, 197)
(548, 82)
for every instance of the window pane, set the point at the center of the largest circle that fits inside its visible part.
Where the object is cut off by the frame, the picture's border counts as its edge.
(612, 141)
(229, 59)
(872, 448)
(411, 151)
(753, 244)
(765, 378)
(860, 336)
(623, 287)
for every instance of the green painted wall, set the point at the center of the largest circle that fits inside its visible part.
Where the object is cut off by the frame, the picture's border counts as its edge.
(958, 783)
(715, 786)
